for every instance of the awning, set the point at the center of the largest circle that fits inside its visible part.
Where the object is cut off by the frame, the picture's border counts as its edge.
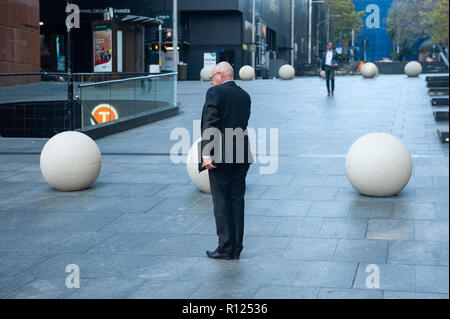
(147, 21)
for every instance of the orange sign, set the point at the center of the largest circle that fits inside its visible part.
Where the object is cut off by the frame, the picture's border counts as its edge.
(104, 113)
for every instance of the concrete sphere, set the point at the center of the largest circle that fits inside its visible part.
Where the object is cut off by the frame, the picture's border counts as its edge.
(206, 73)
(369, 70)
(413, 69)
(286, 72)
(378, 164)
(200, 180)
(70, 161)
(323, 74)
(246, 73)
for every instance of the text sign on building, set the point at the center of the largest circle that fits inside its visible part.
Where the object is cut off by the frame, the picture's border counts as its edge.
(102, 48)
(209, 59)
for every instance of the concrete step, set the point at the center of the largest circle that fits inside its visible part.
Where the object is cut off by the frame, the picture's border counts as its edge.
(441, 116)
(439, 101)
(438, 92)
(437, 84)
(437, 78)
(443, 135)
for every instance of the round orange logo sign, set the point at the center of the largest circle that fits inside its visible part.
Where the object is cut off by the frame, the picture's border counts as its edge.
(104, 113)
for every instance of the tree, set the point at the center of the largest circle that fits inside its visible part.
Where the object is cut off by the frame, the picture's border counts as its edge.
(408, 22)
(346, 20)
(439, 18)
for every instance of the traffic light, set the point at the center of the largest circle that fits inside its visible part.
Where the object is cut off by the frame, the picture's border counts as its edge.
(155, 47)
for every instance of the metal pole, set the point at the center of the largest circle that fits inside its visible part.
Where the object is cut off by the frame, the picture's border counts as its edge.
(175, 35)
(310, 32)
(69, 73)
(292, 31)
(317, 32)
(159, 45)
(328, 25)
(253, 34)
(353, 45)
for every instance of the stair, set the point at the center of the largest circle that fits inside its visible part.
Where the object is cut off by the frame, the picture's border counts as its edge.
(439, 86)
(439, 101)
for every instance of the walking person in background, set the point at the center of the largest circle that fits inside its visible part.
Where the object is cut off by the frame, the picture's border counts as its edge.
(329, 64)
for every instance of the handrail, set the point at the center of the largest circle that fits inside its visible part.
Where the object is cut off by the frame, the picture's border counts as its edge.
(34, 73)
(444, 58)
(127, 79)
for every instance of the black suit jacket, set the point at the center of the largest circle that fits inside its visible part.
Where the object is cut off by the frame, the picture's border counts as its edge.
(324, 58)
(226, 108)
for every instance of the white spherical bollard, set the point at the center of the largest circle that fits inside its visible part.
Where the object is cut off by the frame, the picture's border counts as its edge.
(323, 74)
(413, 69)
(199, 179)
(70, 161)
(378, 164)
(206, 73)
(286, 72)
(369, 70)
(246, 73)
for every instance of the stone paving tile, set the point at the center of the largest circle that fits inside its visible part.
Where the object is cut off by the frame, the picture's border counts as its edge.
(415, 252)
(317, 249)
(42, 289)
(156, 244)
(49, 241)
(326, 274)
(286, 292)
(235, 290)
(413, 295)
(369, 251)
(13, 263)
(333, 293)
(56, 221)
(442, 211)
(165, 290)
(431, 230)
(371, 209)
(298, 227)
(414, 211)
(290, 208)
(389, 229)
(338, 209)
(343, 228)
(109, 288)
(432, 279)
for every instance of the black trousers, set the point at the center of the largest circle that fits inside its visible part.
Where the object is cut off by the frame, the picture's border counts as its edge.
(228, 189)
(329, 72)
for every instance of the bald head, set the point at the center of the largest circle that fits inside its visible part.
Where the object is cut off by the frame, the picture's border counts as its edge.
(222, 72)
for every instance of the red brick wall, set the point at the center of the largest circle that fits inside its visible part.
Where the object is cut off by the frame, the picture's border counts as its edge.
(19, 36)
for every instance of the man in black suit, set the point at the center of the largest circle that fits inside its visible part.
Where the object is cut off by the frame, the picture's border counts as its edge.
(328, 64)
(225, 152)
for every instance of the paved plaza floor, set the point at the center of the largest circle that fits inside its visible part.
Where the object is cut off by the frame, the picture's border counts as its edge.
(142, 229)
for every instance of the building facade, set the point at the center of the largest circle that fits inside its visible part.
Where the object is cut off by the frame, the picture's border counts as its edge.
(219, 28)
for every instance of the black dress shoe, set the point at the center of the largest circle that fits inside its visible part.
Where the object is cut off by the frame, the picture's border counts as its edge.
(216, 255)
